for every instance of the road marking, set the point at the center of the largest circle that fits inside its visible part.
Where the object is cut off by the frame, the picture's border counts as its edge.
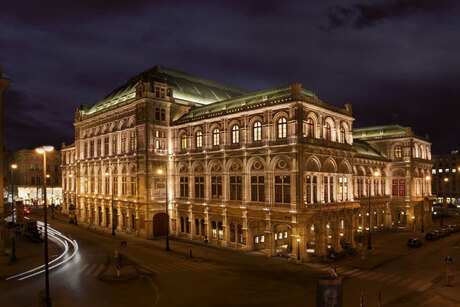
(89, 271)
(82, 270)
(376, 276)
(425, 286)
(349, 271)
(386, 278)
(99, 270)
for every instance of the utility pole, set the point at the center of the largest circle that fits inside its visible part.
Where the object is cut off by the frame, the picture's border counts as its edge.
(3, 85)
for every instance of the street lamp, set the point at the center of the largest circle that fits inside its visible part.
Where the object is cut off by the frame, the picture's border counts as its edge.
(369, 245)
(298, 248)
(113, 218)
(43, 150)
(13, 239)
(52, 205)
(160, 172)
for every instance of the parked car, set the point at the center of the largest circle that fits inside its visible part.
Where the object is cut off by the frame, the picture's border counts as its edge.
(414, 242)
(453, 228)
(444, 231)
(431, 236)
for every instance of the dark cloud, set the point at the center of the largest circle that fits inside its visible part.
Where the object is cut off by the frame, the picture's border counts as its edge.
(362, 15)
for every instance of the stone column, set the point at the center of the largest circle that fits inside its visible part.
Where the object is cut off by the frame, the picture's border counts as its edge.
(192, 223)
(269, 238)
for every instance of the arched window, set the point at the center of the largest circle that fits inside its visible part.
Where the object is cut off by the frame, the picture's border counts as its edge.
(240, 233)
(214, 229)
(221, 231)
(183, 141)
(216, 137)
(327, 132)
(182, 224)
(123, 143)
(310, 128)
(199, 139)
(342, 135)
(257, 131)
(197, 227)
(398, 152)
(282, 128)
(235, 134)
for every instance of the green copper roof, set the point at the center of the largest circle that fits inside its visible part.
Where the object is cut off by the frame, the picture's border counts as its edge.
(186, 87)
(380, 132)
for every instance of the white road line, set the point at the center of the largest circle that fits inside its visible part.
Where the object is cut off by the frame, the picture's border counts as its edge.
(99, 270)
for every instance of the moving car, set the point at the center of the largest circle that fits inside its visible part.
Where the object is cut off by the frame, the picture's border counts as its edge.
(414, 242)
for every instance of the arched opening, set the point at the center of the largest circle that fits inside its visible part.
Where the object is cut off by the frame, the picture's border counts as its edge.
(282, 237)
(160, 224)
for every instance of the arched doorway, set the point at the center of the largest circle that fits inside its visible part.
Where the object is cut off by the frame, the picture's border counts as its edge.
(160, 222)
(282, 237)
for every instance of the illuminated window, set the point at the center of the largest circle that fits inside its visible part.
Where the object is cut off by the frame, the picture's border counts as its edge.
(399, 187)
(256, 240)
(398, 152)
(454, 170)
(433, 171)
(199, 139)
(239, 230)
(282, 128)
(214, 229)
(262, 238)
(257, 131)
(235, 134)
(285, 234)
(133, 141)
(123, 143)
(114, 145)
(440, 170)
(183, 141)
(221, 231)
(216, 137)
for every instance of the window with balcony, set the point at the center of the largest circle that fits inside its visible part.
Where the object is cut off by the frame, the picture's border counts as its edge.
(199, 139)
(216, 137)
(257, 132)
(257, 188)
(398, 152)
(283, 189)
(235, 138)
(184, 186)
(183, 141)
(199, 187)
(236, 187)
(282, 128)
(216, 187)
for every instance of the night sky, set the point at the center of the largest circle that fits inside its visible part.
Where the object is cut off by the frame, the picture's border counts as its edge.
(395, 61)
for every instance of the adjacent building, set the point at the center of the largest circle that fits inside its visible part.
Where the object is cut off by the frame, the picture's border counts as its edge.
(273, 170)
(446, 178)
(28, 176)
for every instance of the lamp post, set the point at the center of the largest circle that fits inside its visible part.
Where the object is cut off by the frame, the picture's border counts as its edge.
(43, 150)
(160, 172)
(52, 206)
(113, 218)
(13, 239)
(369, 245)
(298, 248)
(427, 179)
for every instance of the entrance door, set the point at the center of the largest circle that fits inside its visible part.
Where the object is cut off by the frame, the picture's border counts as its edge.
(160, 222)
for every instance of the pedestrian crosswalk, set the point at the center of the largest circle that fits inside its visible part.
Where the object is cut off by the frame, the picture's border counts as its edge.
(377, 276)
(179, 266)
(89, 269)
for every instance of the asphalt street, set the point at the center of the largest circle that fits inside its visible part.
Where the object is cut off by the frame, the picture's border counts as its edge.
(220, 277)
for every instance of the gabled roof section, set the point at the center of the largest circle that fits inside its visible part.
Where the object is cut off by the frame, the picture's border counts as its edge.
(187, 87)
(365, 150)
(381, 132)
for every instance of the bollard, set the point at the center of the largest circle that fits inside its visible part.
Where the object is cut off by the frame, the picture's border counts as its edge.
(191, 256)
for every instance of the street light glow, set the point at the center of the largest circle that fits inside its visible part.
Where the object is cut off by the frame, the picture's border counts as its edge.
(427, 178)
(14, 166)
(376, 174)
(159, 171)
(43, 149)
(446, 179)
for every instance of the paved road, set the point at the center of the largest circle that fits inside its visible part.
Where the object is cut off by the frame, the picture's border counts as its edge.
(217, 277)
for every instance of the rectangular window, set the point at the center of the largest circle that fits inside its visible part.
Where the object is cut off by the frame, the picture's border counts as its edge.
(133, 141)
(184, 186)
(163, 93)
(340, 189)
(124, 185)
(134, 186)
(107, 185)
(85, 152)
(308, 188)
(433, 171)
(157, 113)
(199, 187)
(402, 187)
(216, 187)
(163, 114)
(257, 188)
(106, 146)
(115, 185)
(114, 145)
(236, 187)
(283, 189)
(91, 148)
(99, 147)
(99, 185)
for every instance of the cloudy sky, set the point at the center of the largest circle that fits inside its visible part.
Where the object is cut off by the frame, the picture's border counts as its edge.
(396, 61)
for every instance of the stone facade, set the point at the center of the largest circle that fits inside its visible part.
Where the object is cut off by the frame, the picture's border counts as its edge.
(273, 170)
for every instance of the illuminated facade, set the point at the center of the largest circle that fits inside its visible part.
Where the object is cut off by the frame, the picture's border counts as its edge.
(247, 170)
(28, 176)
(446, 178)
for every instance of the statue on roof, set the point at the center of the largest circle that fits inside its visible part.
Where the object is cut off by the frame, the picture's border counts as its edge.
(140, 88)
